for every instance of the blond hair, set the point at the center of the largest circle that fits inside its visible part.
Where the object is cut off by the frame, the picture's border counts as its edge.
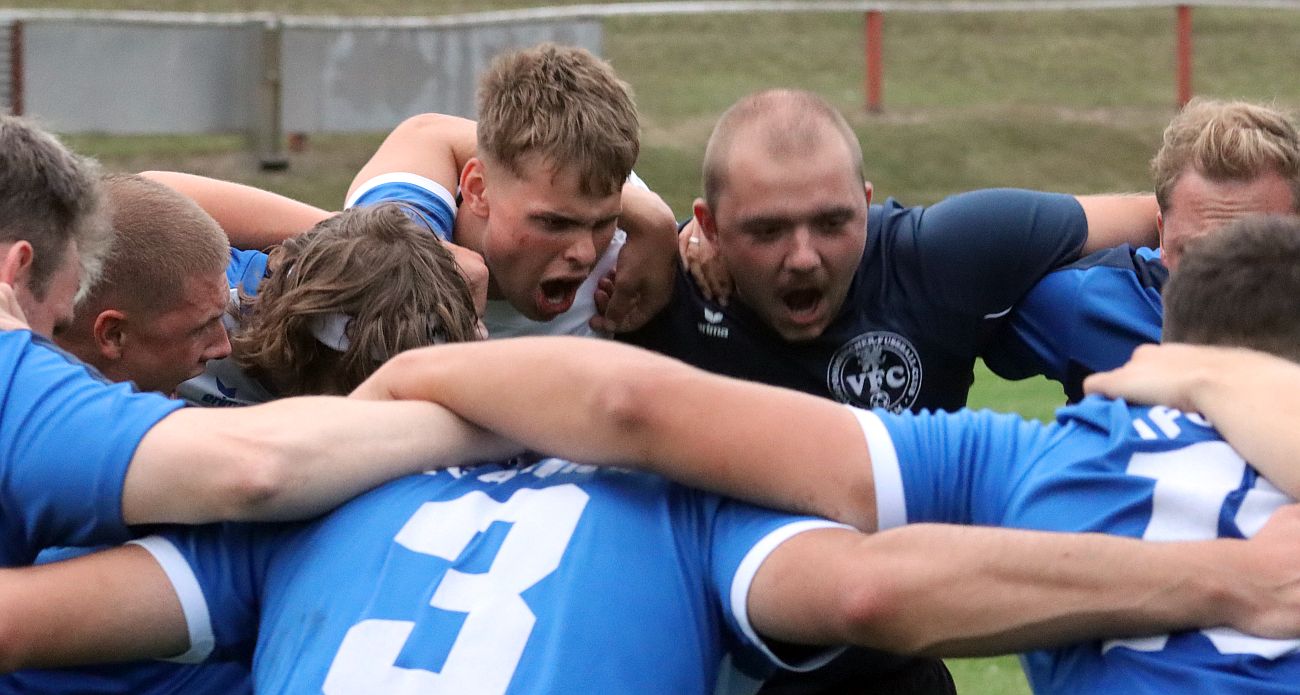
(1227, 141)
(161, 240)
(561, 106)
(396, 285)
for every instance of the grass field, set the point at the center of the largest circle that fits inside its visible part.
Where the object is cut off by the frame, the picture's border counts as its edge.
(1067, 101)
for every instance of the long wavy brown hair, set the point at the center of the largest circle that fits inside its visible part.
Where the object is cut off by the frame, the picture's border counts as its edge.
(394, 282)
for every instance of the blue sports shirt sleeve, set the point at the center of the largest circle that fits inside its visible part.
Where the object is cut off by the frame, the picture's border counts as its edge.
(743, 538)
(957, 468)
(425, 200)
(1000, 241)
(245, 270)
(68, 438)
(1081, 319)
(217, 573)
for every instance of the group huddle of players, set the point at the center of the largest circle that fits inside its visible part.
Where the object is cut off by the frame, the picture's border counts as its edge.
(548, 565)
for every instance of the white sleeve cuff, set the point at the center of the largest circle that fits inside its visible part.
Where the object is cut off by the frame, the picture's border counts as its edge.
(744, 578)
(193, 604)
(891, 503)
(403, 177)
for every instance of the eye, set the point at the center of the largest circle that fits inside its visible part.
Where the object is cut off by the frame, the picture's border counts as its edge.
(831, 224)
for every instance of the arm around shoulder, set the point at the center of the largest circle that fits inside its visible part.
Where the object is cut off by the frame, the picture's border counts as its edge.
(251, 217)
(288, 459)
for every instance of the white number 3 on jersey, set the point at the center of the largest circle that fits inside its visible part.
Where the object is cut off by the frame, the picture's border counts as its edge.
(491, 641)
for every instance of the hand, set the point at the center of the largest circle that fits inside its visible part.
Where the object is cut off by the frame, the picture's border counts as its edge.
(646, 269)
(1269, 571)
(701, 260)
(11, 314)
(1168, 374)
(476, 275)
(633, 291)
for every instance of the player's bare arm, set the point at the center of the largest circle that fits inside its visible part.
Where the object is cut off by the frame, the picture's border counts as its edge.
(596, 401)
(289, 459)
(1120, 219)
(1252, 398)
(116, 605)
(432, 145)
(646, 265)
(1021, 589)
(251, 217)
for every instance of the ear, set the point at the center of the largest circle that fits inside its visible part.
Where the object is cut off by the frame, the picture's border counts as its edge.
(868, 188)
(16, 263)
(704, 218)
(473, 187)
(109, 332)
(1160, 230)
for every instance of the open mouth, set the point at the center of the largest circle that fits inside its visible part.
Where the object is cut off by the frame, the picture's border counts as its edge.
(802, 304)
(554, 297)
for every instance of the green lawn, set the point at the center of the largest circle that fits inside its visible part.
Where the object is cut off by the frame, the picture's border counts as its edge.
(1067, 101)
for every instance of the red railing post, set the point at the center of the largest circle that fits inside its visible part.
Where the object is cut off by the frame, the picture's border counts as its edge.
(875, 63)
(1184, 55)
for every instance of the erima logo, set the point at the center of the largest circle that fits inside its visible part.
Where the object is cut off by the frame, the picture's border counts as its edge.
(879, 369)
(710, 325)
(227, 391)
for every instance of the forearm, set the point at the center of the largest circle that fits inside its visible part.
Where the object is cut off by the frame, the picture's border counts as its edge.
(604, 403)
(962, 591)
(1253, 399)
(289, 459)
(251, 217)
(647, 219)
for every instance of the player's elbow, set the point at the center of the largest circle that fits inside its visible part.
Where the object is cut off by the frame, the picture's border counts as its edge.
(628, 404)
(872, 615)
(253, 483)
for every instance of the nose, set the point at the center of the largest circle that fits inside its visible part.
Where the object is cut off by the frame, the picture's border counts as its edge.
(586, 249)
(802, 255)
(220, 347)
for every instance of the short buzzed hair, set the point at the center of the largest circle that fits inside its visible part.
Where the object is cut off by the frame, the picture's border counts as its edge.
(161, 240)
(49, 197)
(1239, 287)
(562, 105)
(1227, 141)
(786, 121)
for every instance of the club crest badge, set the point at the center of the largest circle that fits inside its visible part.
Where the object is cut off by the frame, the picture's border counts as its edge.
(879, 369)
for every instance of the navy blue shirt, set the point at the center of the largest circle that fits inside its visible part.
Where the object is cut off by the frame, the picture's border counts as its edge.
(934, 284)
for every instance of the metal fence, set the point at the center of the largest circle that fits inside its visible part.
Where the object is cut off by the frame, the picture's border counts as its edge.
(129, 73)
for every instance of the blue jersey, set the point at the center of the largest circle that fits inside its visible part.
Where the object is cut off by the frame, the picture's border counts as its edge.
(68, 437)
(493, 580)
(68, 440)
(933, 285)
(1104, 466)
(245, 271)
(1087, 317)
